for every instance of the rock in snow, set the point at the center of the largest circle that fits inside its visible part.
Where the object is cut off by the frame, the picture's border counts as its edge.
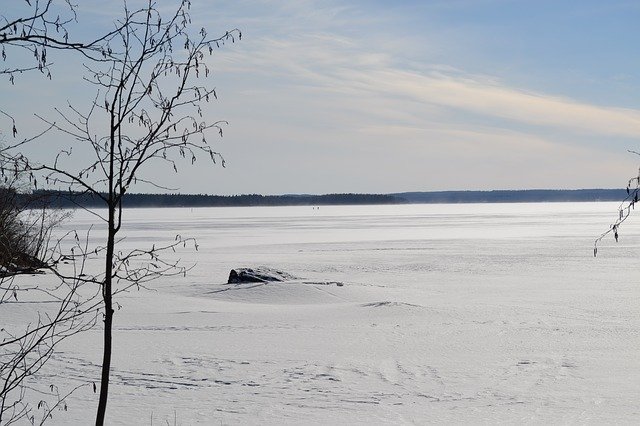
(257, 275)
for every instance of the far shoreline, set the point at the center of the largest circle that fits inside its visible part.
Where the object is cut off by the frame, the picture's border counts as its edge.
(61, 199)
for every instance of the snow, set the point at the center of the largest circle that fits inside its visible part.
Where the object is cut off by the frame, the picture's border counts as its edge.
(488, 313)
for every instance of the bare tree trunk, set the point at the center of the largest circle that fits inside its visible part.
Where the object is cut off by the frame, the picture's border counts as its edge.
(106, 359)
(108, 319)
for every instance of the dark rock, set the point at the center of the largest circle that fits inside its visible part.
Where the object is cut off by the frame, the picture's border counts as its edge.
(257, 275)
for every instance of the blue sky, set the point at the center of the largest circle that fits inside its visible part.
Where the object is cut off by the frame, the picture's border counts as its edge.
(373, 96)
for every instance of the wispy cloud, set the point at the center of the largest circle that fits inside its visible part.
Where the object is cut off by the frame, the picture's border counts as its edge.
(491, 99)
(339, 65)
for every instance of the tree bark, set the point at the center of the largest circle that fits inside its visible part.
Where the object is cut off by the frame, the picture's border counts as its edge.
(108, 320)
(106, 365)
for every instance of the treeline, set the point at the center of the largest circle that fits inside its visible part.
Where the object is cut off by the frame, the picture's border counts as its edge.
(514, 196)
(71, 199)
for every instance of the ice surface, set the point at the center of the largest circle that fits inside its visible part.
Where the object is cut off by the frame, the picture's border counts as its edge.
(448, 314)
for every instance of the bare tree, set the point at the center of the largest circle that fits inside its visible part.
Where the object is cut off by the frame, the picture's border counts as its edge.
(28, 30)
(147, 112)
(624, 209)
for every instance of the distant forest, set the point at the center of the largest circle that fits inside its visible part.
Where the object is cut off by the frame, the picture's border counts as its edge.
(70, 200)
(514, 196)
(66, 199)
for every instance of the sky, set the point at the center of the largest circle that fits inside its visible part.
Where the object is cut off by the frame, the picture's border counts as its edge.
(381, 97)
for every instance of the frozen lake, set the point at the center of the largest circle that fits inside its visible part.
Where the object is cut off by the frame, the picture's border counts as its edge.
(475, 313)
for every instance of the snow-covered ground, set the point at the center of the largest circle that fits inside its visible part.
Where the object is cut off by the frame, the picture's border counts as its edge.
(493, 313)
